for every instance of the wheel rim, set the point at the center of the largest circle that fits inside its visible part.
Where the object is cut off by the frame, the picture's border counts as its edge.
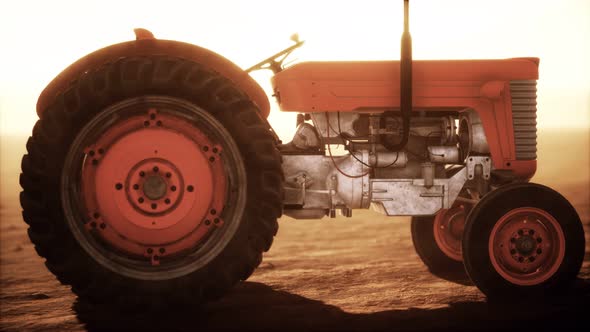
(527, 246)
(159, 187)
(448, 231)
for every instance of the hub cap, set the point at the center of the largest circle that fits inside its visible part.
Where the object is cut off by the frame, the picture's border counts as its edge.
(527, 246)
(154, 187)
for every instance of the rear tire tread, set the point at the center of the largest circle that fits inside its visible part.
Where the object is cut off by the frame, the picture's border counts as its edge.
(111, 83)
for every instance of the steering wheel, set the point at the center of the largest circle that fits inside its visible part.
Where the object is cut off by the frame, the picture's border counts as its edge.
(275, 62)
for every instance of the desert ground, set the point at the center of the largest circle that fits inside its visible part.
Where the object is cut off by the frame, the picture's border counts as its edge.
(358, 273)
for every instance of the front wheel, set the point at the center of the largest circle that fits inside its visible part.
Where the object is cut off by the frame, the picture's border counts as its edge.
(523, 240)
(437, 241)
(152, 179)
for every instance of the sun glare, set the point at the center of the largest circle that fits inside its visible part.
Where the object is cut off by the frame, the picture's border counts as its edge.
(40, 38)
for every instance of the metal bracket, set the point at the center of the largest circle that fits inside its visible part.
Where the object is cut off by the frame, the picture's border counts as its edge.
(473, 162)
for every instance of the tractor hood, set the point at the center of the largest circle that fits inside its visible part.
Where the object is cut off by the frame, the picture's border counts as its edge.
(374, 85)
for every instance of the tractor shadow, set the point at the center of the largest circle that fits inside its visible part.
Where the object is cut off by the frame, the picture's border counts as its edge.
(255, 306)
(457, 277)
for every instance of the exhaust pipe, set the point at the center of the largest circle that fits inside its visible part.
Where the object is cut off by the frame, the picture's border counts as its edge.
(405, 85)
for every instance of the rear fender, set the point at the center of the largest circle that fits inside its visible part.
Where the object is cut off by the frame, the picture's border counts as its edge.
(146, 47)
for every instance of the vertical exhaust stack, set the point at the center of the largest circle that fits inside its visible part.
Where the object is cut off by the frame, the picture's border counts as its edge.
(405, 85)
(406, 72)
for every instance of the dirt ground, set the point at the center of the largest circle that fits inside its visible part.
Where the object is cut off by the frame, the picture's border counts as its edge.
(358, 273)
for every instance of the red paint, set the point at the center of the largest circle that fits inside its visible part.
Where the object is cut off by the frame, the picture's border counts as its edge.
(448, 230)
(168, 150)
(355, 86)
(527, 226)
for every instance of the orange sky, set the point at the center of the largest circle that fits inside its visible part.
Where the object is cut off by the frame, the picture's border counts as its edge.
(40, 38)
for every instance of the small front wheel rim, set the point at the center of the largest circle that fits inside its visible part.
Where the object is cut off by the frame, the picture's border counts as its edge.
(526, 246)
(448, 228)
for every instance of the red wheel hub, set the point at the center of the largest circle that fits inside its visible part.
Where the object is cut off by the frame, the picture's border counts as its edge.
(448, 231)
(153, 186)
(527, 246)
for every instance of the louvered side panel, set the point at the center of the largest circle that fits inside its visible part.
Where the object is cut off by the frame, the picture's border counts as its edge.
(524, 118)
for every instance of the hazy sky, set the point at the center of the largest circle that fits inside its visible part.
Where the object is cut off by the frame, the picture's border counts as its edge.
(40, 38)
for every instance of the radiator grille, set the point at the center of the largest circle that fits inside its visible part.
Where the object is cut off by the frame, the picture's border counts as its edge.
(524, 118)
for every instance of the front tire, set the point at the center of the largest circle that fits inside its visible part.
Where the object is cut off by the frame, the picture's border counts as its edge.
(437, 241)
(191, 120)
(523, 240)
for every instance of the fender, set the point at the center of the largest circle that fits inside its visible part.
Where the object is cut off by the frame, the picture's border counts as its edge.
(149, 46)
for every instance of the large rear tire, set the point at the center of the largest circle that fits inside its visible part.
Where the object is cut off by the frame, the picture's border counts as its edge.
(523, 240)
(181, 225)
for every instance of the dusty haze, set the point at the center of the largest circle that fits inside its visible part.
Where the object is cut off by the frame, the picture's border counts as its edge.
(41, 38)
(359, 273)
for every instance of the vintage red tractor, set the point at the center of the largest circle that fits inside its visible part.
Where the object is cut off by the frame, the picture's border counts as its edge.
(153, 174)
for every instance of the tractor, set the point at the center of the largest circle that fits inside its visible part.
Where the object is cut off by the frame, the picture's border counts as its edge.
(153, 175)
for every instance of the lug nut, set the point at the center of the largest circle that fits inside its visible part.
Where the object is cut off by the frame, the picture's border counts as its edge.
(211, 159)
(213, 211)
(142, 173)
(159, 123)
(173, 188)
(118, 186)
(216, 220)
(152, 116)
(154, 206)
(215, 150)
(207, 222)
(531, 231)
(205, 148)
(156, 169)
(150, 251)
(167, 201)
(136, 186)
(168, 174)
(190, 188)
(91, 153)
(162, 250)
(140, 199)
